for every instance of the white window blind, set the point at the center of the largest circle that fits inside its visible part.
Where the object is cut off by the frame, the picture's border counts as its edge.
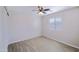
(55, 23)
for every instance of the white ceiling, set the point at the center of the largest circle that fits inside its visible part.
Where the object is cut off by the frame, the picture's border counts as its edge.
(27, 10)
(57, 8)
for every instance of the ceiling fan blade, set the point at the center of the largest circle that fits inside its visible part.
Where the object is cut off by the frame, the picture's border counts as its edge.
(46, 9)
(39, 6)
(44, 12)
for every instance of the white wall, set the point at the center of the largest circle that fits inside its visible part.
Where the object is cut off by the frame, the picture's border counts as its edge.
(18, 27)
(70, 27)
(3, 30)
(1, 44)
(23, 27)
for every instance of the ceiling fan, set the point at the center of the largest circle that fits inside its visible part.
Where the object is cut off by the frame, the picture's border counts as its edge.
(40, 10)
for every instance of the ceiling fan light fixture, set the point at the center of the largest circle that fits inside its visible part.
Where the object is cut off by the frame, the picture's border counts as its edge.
(41, 10)
(40, 13)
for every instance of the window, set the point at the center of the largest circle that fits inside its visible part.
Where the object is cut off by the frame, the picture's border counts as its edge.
(55, 23)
